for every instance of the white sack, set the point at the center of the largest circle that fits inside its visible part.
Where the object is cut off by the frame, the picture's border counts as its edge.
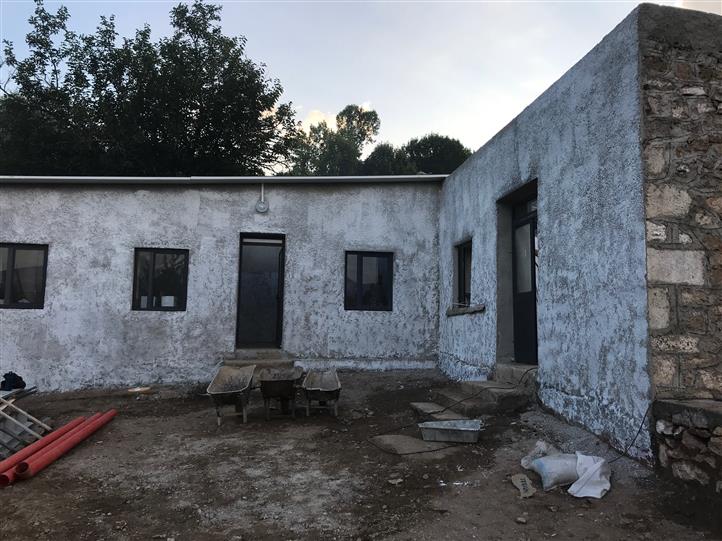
(541, 448)
(594, 474)
(556, 470)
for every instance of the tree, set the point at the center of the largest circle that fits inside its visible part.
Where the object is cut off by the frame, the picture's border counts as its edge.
(436, 154)
(432, 154)
(326, 152)
(385, 159)
(188, 104)
(358, 125)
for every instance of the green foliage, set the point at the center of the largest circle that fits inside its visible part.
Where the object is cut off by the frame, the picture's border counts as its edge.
(358, 125)
(385, 159)
(188, 104)
(326, 152)
(436, 154)
(431, 154)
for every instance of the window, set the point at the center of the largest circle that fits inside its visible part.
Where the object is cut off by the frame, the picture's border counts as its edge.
(22, 275)
(369, 281)
(160, 279)
(463, 274)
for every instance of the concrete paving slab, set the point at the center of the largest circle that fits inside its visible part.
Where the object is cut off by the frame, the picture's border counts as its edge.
(408, 445)
(432, 410)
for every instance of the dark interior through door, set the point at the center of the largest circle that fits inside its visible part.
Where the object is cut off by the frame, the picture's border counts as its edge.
(524, 250)
(260, 291)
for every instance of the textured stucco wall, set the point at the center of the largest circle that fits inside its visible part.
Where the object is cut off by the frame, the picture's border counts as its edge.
(88, 335)
(581, 141)
(682, 91)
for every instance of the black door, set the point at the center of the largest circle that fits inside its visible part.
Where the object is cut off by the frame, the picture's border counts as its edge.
(524, 269)
(260, 291)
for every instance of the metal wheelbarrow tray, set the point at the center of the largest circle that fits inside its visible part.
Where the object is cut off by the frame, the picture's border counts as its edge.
(322, 386)
(460, 430)
(232, 386)
(281, 384)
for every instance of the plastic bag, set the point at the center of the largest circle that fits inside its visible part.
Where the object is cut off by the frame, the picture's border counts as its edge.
(556, 470)
(541, 448)
(594, 474)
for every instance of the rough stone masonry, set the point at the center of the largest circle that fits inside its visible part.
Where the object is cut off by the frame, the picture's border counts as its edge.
(682, 137)
(681, 77)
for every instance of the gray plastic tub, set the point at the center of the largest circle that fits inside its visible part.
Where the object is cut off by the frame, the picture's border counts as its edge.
(459, 431)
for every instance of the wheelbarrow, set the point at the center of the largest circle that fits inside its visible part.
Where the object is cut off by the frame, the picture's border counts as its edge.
(231, 386)
(280, 384)
(324, 387)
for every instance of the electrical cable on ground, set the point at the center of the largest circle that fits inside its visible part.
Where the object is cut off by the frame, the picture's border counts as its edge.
(639, 431)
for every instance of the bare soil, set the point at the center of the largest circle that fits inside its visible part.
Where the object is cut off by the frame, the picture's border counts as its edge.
(162, 469)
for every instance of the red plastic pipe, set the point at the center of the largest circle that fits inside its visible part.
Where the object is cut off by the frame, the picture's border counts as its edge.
(7, 477)
(65, 436)
(7, 465)
(34, 447)
(37, 463)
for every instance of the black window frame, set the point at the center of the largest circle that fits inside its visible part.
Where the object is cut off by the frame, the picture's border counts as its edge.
(463, 297)
(359, 285)
(135, 305)
(12, 247)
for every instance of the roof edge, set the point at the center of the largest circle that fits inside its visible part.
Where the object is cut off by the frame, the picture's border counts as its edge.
(220, 180)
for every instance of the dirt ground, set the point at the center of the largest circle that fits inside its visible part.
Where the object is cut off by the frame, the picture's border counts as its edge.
(162, 470)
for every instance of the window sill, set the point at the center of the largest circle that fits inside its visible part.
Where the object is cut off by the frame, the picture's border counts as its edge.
(462, 310)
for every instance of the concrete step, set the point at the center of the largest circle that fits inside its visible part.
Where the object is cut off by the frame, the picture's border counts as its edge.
(260, 364)
(507, 397)
(437, 412)
(516, 373)
(259, 354)
(459, 401)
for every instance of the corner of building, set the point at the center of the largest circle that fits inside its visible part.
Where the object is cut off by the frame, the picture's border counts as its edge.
(681, 91)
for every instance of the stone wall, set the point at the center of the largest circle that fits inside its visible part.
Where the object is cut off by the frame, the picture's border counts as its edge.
(681, 73)
(689, 440)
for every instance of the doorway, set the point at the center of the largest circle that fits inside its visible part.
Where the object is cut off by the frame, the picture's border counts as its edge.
(260, 291)
(524, 266)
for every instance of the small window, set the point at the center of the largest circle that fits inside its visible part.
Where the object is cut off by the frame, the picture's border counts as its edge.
(160, 279)
(463, 274)
(22, 275)
(369, 281)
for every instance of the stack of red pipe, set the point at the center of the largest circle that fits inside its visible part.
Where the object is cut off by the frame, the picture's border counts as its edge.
(37, 456)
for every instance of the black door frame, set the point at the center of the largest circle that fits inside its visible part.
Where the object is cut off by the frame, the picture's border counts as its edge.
(517, 222)
(281, 279)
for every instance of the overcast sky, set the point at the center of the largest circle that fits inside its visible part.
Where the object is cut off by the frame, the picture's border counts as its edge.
(462, 69)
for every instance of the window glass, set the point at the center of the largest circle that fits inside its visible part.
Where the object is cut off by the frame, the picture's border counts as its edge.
(463, 270)
(169, 280)
(3, 272)
(369, 281)
(27, 283)
(22, 275)
(260, 292)
(351, 278)
(467, 275)
(523, 258)
(143, 264)
(161, 278)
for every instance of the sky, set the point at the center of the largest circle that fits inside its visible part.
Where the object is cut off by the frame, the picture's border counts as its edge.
(458, 68)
